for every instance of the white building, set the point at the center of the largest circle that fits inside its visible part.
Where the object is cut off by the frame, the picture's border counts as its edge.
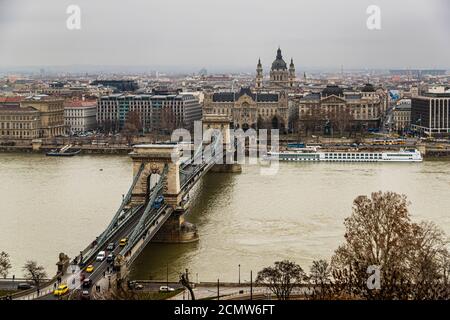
(80, 115)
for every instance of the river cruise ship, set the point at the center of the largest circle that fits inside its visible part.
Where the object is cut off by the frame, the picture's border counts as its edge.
(309, 154)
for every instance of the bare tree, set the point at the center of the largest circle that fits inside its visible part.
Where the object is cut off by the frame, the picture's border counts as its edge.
(5, 264)
(132, 125)
(34, 272)
(169, 121)
(429, 263)
(412, 258)
(320, 278)
(281, 278)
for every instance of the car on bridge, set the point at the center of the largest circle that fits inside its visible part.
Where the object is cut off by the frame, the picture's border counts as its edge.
(61, 290)
(158, 202)
(110, 258)
(101, 256)
(123, 242)
(87, 283)
(90, 268)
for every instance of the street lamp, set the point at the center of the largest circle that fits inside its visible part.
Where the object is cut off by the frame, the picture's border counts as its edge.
(251, 285)
(167, 277)
(218, 292)
(239, 265)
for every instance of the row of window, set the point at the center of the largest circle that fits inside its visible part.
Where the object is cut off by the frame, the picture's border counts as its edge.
(353, 155)
(18, 134)
(16, 125)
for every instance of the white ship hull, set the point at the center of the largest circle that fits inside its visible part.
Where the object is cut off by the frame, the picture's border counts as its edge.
(357, 156)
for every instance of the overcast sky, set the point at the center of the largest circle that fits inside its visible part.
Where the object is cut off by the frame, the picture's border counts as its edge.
(225, 34)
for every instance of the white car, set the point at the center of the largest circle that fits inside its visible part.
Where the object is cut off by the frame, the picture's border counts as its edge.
(101, 256)
(166, 289)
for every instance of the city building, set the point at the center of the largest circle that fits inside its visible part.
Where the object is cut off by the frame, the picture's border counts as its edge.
(337, 109)
(159, 110)
(280, 76)
(19, 123)
(51, 113)
(418, 73)
(80, 115)
(401, 115)
(430, 113)
(249, 109)
(38, 116)
(119, 85)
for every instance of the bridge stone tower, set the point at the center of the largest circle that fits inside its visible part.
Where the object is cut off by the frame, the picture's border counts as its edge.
(222, 123)
(154, 157)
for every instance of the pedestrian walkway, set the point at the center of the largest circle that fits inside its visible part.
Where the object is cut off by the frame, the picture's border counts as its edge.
(71, 278)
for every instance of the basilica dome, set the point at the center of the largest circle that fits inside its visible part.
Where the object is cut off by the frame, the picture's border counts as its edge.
(279, 63)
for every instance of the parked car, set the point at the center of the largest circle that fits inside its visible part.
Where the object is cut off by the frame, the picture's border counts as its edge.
(166, 289)
(24, 286)
(101, 256)
(135, 285)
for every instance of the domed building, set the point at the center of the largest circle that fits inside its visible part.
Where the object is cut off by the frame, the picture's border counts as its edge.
(280, 76)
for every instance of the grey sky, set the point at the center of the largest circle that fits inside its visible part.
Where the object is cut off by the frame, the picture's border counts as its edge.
(226, 34)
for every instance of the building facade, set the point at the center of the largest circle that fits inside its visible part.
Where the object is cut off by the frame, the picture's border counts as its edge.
(80, 115)
(280, 76)
(430, 114)
(401, 115)
(157, 111)
(51, 113)
(19, 123)
(341, 110)
(249, 109)
(37, 116)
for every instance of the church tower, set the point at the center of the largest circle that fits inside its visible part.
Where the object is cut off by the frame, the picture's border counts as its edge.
(259, 75)
(279, 75)
(291, 73)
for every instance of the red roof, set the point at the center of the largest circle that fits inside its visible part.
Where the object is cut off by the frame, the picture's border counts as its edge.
(11, 99)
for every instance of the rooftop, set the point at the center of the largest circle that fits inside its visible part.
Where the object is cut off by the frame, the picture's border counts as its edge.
(234, 96)
(80, 104)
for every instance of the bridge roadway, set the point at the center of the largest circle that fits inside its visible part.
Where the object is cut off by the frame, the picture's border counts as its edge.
(100, 268)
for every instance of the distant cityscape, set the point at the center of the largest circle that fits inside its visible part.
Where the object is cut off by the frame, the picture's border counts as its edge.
(51, 105)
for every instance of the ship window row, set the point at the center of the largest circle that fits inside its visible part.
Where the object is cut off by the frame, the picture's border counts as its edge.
(353, 155)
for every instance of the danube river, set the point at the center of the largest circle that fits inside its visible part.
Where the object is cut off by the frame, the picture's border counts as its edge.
(52, 205)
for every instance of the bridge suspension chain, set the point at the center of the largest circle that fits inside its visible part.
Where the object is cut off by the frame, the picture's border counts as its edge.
(140, 227)
(115, 220)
